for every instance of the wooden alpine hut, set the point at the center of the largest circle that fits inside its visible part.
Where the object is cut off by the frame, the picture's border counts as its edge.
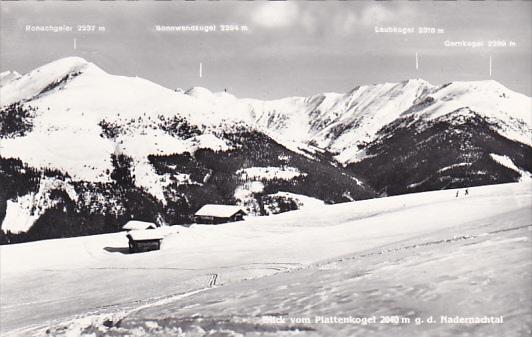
(216, 214)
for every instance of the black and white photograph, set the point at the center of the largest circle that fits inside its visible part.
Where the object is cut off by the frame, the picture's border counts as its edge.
(265, 168)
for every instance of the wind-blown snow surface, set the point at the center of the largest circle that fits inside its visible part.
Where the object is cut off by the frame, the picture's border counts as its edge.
(416, 255)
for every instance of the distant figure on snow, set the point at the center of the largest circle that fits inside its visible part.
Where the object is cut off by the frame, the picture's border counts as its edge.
(457, 192)
(466, 191)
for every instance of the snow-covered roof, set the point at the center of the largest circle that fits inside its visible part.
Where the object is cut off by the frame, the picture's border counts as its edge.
(138, 225)
(220, 211)
(145, 235)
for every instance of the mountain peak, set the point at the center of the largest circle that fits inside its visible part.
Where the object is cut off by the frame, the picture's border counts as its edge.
(8, 76)
(44, 78)
(476, 85)
(417, 81)
(199, 92)
(71, 64)
(7, 73)
(73, 60)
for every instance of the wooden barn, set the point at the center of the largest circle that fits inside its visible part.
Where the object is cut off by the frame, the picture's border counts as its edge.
(144, 241)
(216, 214)
(135, 225)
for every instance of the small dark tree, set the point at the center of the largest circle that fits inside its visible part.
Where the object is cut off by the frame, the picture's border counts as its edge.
(122, 165)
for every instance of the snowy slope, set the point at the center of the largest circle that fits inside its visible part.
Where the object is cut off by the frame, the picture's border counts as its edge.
(109, 138)
(342, 123)
(72, 96)
(337, 122)
(347, 259)
(72, 117)
(373, 293)
(332, 121)
(508, 111)
(507, 162)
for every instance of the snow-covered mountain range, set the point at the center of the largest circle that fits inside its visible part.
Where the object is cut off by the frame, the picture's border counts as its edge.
(94, 149)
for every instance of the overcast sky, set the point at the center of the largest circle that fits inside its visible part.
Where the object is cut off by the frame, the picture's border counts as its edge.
(289, 48)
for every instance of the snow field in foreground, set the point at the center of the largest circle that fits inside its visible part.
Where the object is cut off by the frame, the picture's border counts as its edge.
(48, 283)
